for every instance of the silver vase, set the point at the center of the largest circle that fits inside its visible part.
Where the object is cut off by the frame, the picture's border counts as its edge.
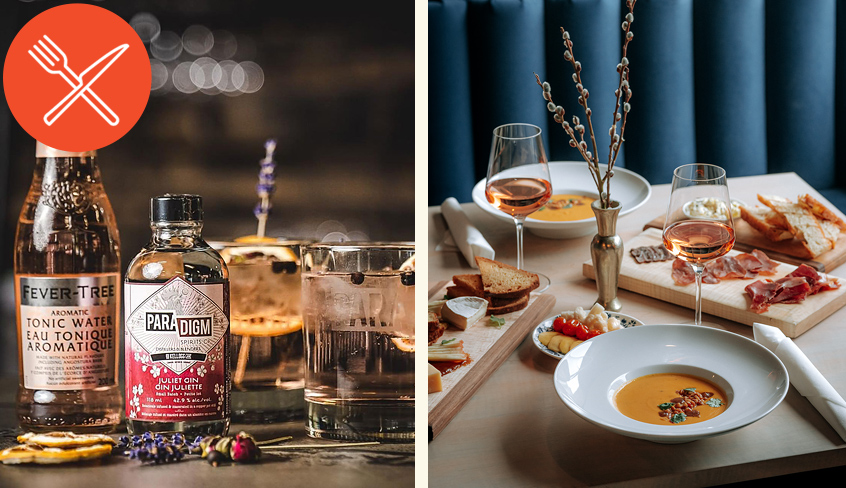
(606, 252)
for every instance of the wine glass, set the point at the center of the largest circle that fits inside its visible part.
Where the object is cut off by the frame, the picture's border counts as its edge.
(518, 175)
(701, 236)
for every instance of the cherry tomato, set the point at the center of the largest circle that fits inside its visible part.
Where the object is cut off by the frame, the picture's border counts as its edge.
(594, 333)
(558, 324)
(582, 332)
(570, 327)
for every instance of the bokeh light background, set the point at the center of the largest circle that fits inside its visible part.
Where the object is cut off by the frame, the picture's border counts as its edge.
(331, 81)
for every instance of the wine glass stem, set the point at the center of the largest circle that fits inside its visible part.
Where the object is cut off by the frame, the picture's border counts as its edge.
(697, 270)
(518, 221)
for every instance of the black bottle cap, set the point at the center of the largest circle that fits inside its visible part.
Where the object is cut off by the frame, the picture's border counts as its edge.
(176, 208)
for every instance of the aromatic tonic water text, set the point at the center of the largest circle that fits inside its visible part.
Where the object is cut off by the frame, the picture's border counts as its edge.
(67, 291)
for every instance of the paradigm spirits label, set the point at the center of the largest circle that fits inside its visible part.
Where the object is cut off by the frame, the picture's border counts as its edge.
(68, 330)
(176, 352)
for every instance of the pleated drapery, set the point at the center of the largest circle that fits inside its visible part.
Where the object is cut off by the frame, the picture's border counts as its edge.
(749, 85)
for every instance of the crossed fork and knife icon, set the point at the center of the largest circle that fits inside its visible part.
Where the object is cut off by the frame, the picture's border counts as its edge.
(47, 57)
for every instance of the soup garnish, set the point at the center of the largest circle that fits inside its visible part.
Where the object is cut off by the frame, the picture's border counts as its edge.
(670, 398)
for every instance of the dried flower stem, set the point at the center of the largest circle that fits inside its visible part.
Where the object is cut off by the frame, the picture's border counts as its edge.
(622, 107)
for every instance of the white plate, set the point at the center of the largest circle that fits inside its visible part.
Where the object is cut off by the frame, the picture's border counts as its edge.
(546, 325)
(627, 187)
(753, 378)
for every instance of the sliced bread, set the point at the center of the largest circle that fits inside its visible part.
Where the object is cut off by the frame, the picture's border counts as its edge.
(509, 306)
(460, 291)
(801, 222)
(471, 282)
(821, 211)
(504, 281)
(763, 219)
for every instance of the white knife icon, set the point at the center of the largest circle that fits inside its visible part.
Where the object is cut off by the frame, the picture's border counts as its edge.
(84, 83)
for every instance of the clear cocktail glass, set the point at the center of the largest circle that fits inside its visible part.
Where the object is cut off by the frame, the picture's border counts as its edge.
(358, 310)
(266, 325)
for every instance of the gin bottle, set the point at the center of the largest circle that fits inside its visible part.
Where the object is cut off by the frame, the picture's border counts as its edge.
(67, 290)
(177, 326)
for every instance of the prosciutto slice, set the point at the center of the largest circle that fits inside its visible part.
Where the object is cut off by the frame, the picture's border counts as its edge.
(761, 292)
(729, 267)
(683, 274)
(793, 288)
(744, 266)
(757, 262)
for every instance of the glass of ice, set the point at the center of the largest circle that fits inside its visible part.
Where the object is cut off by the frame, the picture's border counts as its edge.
(266, 325)
(358, 311)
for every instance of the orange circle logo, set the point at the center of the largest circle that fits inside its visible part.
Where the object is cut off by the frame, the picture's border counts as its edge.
(77, 77)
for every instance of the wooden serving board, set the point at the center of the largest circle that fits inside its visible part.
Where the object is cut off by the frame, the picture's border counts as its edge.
(727, 299)
(792, 251)
(488, 348)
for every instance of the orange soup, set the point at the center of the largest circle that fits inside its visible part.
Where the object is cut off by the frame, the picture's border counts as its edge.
(561, 208)
(670, 399)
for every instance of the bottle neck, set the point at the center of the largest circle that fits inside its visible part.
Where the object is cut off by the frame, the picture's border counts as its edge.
(77, 169)
(177, 234)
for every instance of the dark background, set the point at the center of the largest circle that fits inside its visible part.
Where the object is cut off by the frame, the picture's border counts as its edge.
(338, 96)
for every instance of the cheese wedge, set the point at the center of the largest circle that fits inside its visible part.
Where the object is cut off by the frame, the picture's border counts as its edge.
(464, 311)
(435, 380)
(451, 351)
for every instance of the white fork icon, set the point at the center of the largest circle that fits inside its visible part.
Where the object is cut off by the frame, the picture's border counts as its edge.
(48, 60)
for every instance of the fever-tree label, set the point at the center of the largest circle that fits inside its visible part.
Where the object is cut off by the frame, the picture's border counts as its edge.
(68, 325)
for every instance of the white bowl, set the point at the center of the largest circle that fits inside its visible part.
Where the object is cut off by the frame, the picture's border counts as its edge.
(546, 325)
(753, 378)
(627, 187)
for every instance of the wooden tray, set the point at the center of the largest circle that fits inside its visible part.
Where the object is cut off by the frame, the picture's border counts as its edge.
(488, 348)
(727, 299)
(792, 251)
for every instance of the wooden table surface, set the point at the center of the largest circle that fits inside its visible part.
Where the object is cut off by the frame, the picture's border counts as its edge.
(515, 431)
(386, 465)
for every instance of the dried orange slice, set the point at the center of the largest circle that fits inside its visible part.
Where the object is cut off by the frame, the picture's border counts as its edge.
(259, 326)
(404, 344)
(254, 239)
(64, 439)
(27, 453)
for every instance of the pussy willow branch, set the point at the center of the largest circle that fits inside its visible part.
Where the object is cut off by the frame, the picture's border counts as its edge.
(623, 95)
(574, 141)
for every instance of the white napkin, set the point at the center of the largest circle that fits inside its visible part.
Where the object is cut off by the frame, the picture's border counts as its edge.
(465, 236)
(805, 376)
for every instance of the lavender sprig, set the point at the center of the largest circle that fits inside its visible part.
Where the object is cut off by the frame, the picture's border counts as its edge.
(266, 186)
(621, 111)
(156, 448)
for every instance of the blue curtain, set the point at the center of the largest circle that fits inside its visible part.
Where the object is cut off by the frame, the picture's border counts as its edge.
(745, 84)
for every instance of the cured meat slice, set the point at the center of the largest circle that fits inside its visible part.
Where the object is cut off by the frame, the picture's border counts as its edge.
(742, 266)
(750, 262)
(761, 292)
(818, 281)
(683, 273)
(792, 289)
(651, 254)
(769, 266)
(729, 267)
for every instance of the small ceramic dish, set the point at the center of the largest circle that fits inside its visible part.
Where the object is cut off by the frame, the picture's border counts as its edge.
(546, 325)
